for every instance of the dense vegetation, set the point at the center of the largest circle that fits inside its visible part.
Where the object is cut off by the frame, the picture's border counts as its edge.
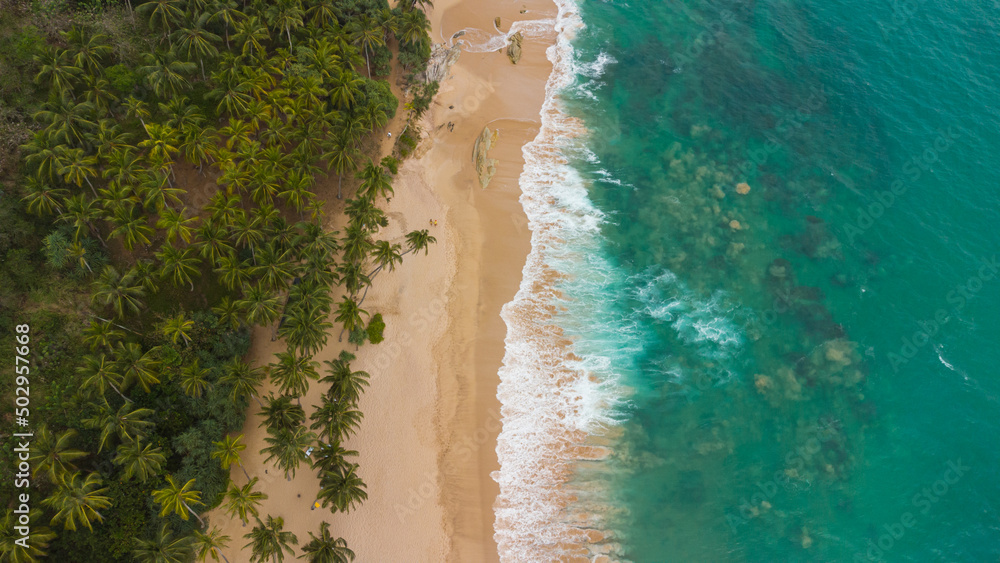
(157, 204)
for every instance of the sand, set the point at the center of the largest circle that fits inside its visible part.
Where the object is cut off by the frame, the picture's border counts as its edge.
(428, 440)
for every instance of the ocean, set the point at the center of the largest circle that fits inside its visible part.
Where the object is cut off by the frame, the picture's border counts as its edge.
(759, 320)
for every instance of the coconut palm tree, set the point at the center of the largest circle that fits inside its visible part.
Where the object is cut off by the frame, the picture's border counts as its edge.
(101, 334)
(275, 266)
(140, 461)
(165, 74)
(270, 541)
(260, 305)
(336, 419)
(196, 42)
(305, 327)
(193, 379)
(345, 383)
(213, 240)
(243, 378)
(288, 448)
(292, 372)
(349, 314)
(284, 15)
(118, 291)
(419, 240)
(100, 373)
(386, 255)
(162, 14)
(228, 313)
(365, 33)
(13, 548)
(127, 423)
(345, 88)
(180, 265)
(131, 226)
(281, 413)
(136, 366)
(164, 547)
(79, 168)
(343, 489)
(363, 213)
(252, 34)
(210, 544)
(227, 13)
(53, 455)
(243, 501)
(56, 69)
(177, 499)
(325, 549)
(177, 224)
(43, 198)
(375, 181)
(331, 457)
(78, 500)
(227, 451)
(414, 26)
(178, 327)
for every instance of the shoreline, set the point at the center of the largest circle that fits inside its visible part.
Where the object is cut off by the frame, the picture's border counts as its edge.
(427, 444)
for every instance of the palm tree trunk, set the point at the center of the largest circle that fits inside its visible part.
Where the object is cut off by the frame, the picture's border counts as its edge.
(368, 65)
(195, 514)
(202, 61)
(340, 181)
(91, 187)
(240, 463)
(288, 32)
(127, 400)
(220, 554)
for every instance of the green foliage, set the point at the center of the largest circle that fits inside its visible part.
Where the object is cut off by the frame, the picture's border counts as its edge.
(423, 94)
(375, 92)
(121, 78)
(408, 140)
(375, 328)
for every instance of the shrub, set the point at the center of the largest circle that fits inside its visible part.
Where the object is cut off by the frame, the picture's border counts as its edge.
(375, 328)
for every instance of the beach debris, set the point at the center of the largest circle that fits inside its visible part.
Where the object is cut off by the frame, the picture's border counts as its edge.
(524, 9)
(442, 57)
(485, 167)
(514, 47)
(458, 34)
(743, 188)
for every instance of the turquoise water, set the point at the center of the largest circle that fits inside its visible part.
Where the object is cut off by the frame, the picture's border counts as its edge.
(809, 368)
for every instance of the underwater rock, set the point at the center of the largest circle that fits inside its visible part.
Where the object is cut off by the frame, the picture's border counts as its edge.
(496, 22)
(442, 57)
(743, 188)
(762, 382)
(514, 47)
(779, 268)
(735, 225)
(485, 167)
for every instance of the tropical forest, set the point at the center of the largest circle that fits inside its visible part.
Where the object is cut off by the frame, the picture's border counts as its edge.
(169, 171)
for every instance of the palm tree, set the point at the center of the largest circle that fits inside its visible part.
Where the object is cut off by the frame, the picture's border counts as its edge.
(419, 240)
(119, 291)
(196, 41)
(243, 501)
(178, 327)
(283, 15)
(331, 457)
(78, 500)
(244, 379)
(164, 547)
(56, 68)
(100, 373)
(414, 27)
(43, 198)
(357, 244)
(325, 549)
(349, 314)
(127, 423)
(79, 168)
(101, 334)
(227, 451)
(13, 548)
(134, 365)
(305, 327)
(288, 448)
(363, 213)
(141, 461)
(280, 413)
(344, 89)
(177, 499)
(131, 226)
(252, 34)
(53, 454)
(214, 242)
(161, 140)
(261, 306)
(176, 223)
(292, 373)
(386, 255)
(227, 12)
(270, 541)
(162, 14)
(164, 73)
(209, 544)
(345, 383)
(336, 419)
(193, 379)
(366, 33)
(342, 489)
(178, 265)
(228, 313)
(375, 181)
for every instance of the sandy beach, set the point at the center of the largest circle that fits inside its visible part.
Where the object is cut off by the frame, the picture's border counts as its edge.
(427, 445)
